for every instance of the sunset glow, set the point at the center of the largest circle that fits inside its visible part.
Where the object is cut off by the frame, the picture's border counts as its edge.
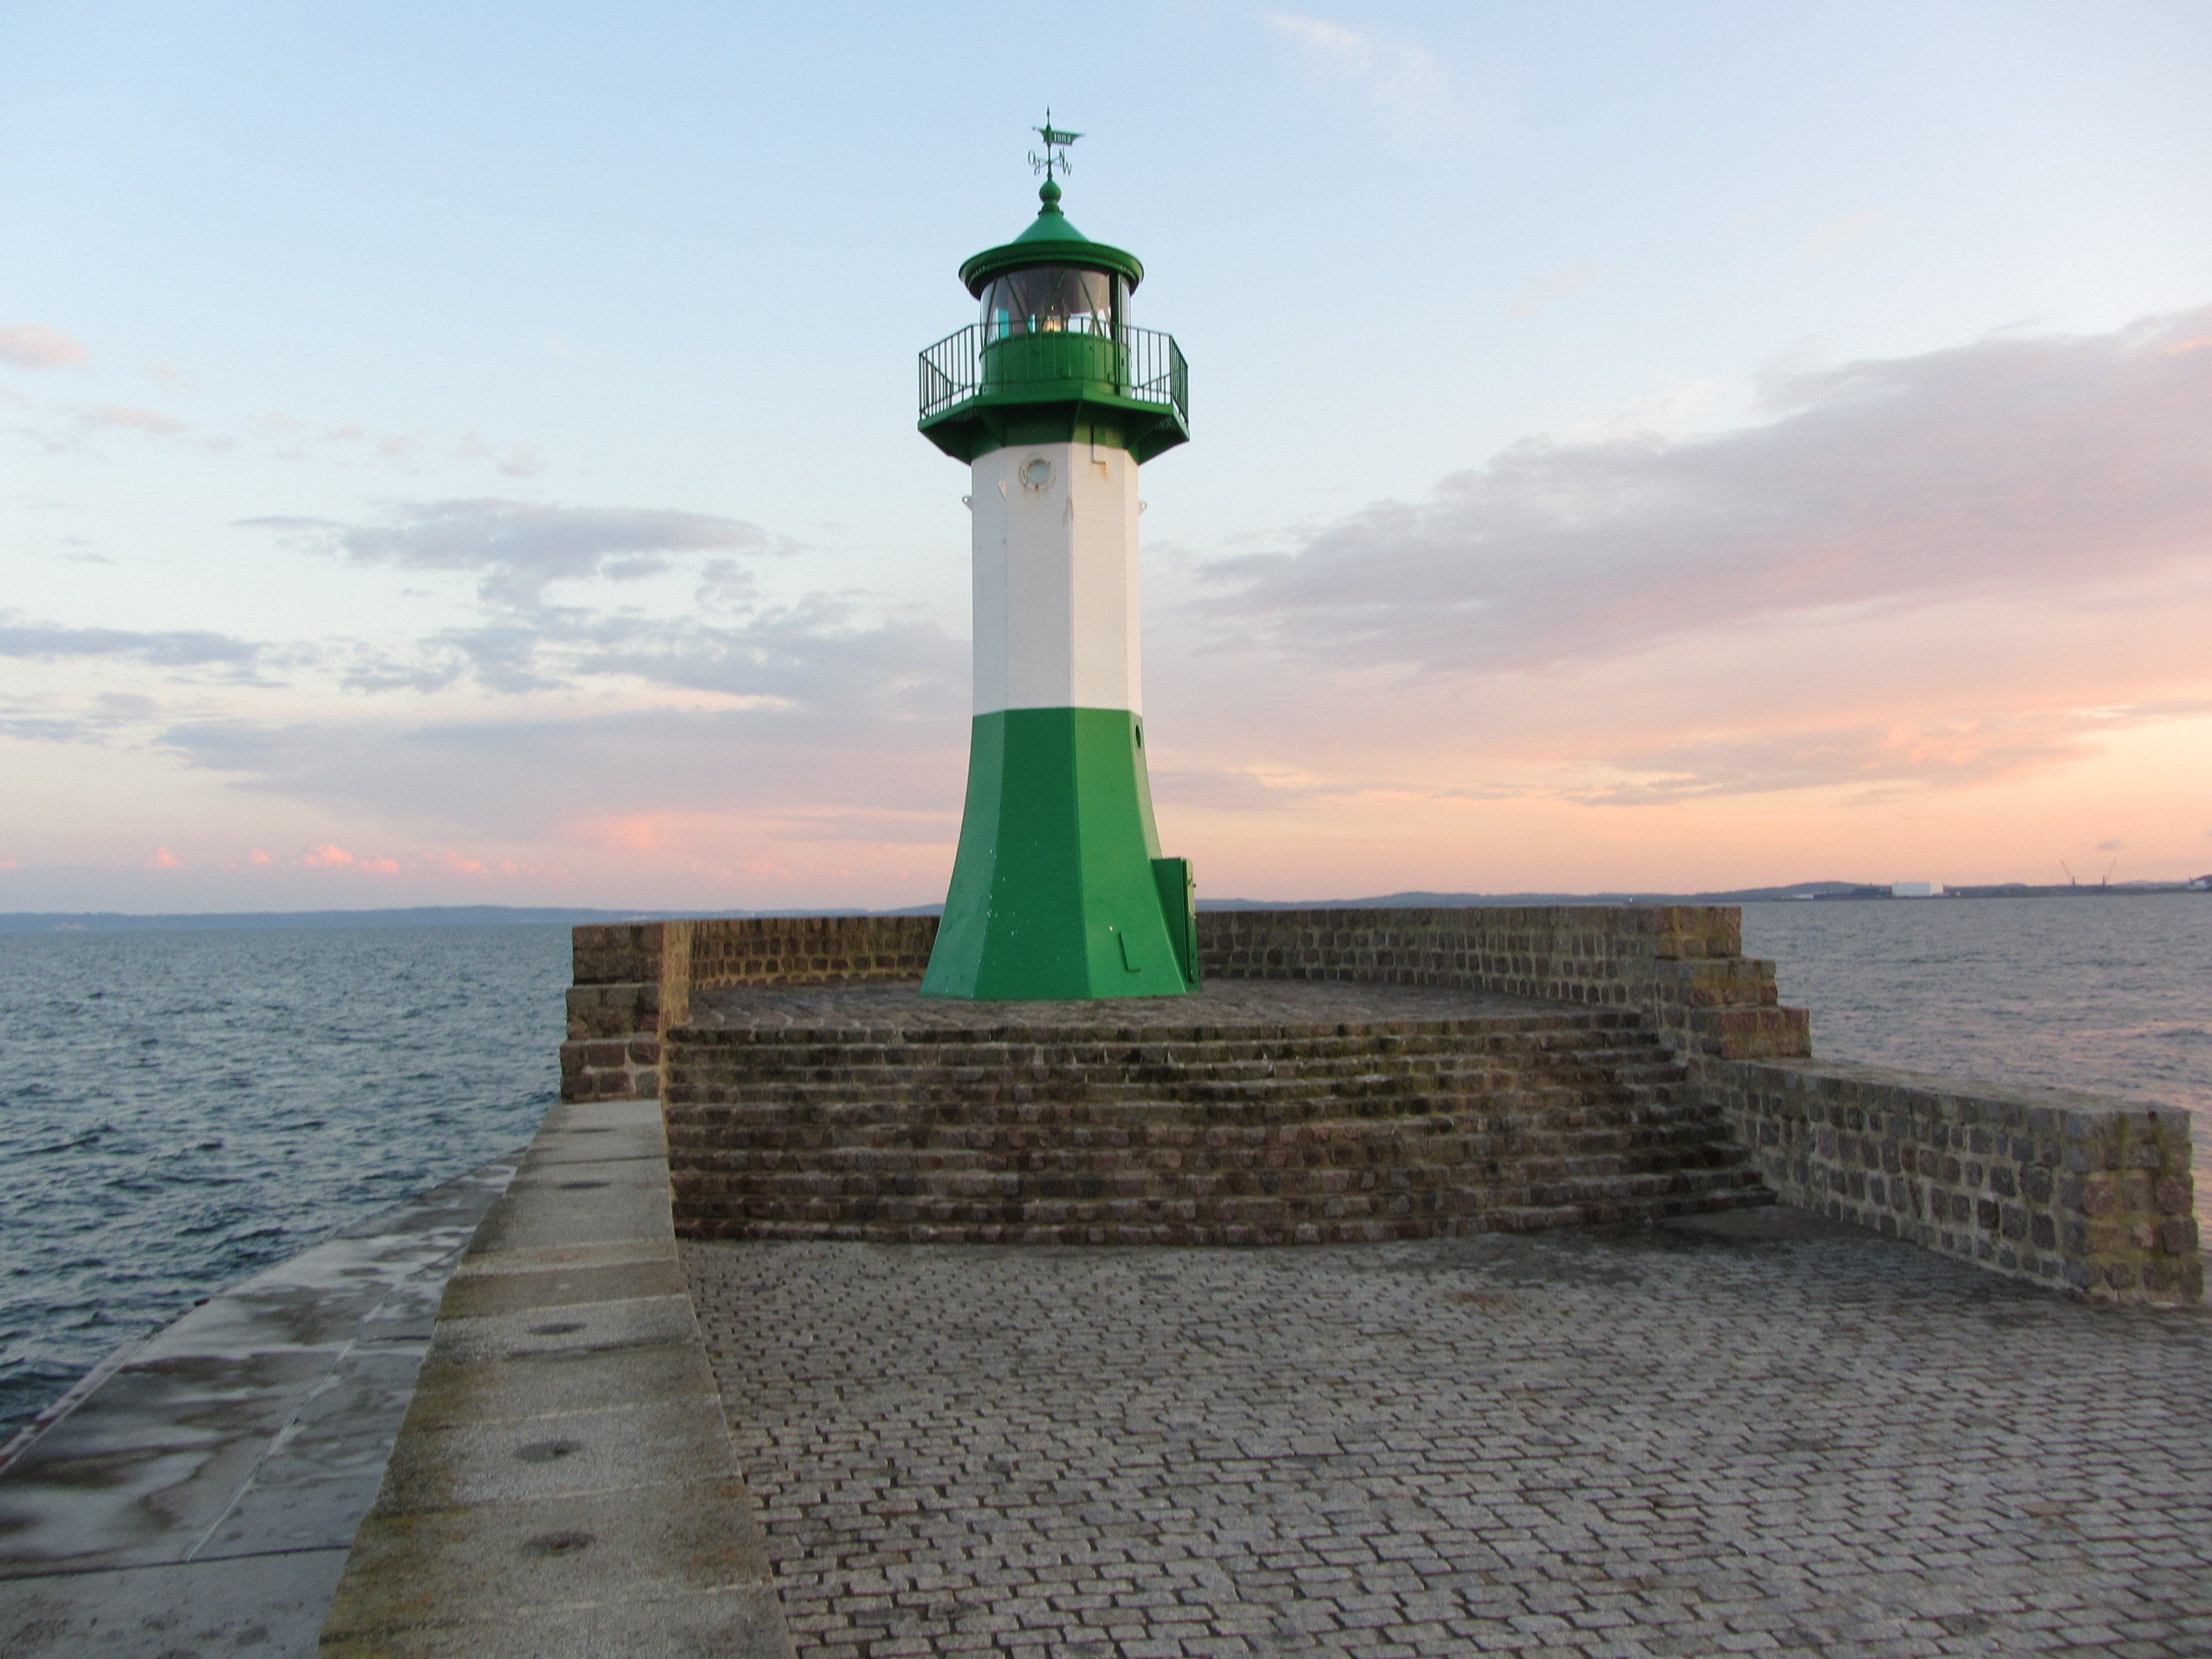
(1626, 457)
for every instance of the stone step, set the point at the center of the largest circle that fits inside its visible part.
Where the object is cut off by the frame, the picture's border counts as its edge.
(1366, 1068)
(1232, 1136)
(1343, 1148)
(863, 1119)
(1746, 1193)
(1229, 1170)
(1534, 1030)
(754, 1049)
(714, 1026)
(1347, 1216)
(1640, 1061)
(1292, 1101)
(1118, 1122)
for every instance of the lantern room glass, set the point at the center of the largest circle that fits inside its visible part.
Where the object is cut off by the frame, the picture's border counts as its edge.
(1055, 299)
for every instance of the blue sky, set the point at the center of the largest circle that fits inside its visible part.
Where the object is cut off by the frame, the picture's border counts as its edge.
(478, 441)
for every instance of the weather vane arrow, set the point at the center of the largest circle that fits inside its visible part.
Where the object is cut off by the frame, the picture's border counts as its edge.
(1056, 141)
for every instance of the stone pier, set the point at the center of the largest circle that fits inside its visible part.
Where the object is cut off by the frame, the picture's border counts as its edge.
(1471, 1069)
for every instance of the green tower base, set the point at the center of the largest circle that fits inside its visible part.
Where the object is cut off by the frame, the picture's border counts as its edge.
(1059, 889)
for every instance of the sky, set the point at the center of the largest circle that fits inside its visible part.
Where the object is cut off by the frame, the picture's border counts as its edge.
(465, 454)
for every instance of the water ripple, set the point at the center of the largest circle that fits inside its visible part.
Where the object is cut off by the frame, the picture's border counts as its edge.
(2111, 995)
(179, 1110)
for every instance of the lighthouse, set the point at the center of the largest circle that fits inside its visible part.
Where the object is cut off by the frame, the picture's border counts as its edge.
(1053, 399)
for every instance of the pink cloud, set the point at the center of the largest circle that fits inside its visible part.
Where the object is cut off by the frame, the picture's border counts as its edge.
(162, 858)
(328, 856)
(33, 345)
(136, 420)
(450, 860)
(2006, 467)
(257, 856)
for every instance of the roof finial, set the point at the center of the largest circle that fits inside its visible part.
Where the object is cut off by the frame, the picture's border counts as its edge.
(1052, 161)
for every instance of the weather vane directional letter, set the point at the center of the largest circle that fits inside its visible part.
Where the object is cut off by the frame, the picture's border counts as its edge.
(1056, 141)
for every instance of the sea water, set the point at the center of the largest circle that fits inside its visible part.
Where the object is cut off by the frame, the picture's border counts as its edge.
(2106, 993)
(178, 1110)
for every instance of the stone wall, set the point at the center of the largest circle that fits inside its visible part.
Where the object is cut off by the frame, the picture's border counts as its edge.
(2068, 1189)
(2114, 1221)
(635, 980)
(1681, 965)
(1282, 1122)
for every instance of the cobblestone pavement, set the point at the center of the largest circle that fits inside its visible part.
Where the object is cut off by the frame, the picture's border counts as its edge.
(1747, 1433)
(1235, 1003)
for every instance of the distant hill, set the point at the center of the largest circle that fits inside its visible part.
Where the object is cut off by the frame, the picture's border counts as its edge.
(429, 915)
(503, 915)
(1817, 889)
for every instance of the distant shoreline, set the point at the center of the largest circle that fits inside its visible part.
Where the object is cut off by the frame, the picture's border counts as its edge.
(502, 915)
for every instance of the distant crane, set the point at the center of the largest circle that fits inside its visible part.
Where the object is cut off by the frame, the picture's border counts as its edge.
(2072, 880)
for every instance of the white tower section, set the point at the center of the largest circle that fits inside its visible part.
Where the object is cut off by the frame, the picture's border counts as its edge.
(1055, 578)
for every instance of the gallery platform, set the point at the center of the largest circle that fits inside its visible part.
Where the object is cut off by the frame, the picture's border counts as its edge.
(1254, 1111)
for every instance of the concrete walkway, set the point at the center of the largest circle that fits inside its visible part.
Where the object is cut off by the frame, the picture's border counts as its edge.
(197, 1494)
(1756, 1432)
(565, 1484)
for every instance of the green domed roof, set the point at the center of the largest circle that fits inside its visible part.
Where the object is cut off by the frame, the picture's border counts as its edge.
(1050, 240)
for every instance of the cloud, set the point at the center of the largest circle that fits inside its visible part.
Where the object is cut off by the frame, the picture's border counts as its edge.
(2007, 466)
(1831, 239)
(813, 654)
(33, 345)
(522, 461)
(179, 648)
(819, 653)
(522, 779)
(518, 548)
(1408, 81)
(1876, 760)
(327, 856)
(162, 858)
(133, 420)
(1540, 291)
(1239, 789)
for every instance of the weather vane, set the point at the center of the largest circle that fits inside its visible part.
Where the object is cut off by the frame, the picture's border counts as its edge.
(1056, 141)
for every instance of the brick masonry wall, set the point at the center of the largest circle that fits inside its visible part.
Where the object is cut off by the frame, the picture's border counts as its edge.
(1282, 1133)
(2068, 1189)
(1681, 965)
(2118, 1217)
(634, 982)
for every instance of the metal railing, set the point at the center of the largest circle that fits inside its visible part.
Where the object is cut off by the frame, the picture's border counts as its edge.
(1141, 363)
